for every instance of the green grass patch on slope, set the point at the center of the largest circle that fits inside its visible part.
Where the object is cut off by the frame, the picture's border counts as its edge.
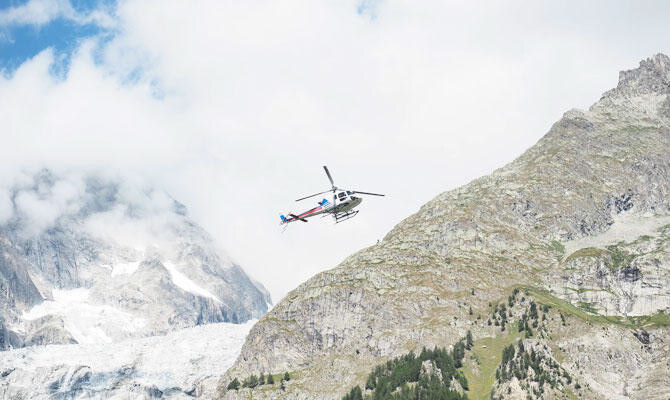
(615, 256)
(619, 258)
(588, 307)
(557, 247)
(488, 354)
(587, 252)
(659, 319)
(544, 297)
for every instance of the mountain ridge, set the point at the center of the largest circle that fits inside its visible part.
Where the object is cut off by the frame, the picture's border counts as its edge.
(89, 257)
(590, 171)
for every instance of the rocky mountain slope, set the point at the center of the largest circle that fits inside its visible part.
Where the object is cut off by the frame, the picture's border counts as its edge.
(580, 221)
(91, 258)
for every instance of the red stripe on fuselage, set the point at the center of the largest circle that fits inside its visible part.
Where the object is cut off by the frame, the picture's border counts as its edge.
(315, 209)
(310, 211)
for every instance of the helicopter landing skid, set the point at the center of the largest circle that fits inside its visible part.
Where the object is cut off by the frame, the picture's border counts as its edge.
(343, 216)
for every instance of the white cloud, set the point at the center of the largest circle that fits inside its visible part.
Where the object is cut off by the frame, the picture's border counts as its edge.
(40, 202)
(40, 214)
(234, 106)
(115, 226)
(6, 207)
(41, 12)
(116, 207)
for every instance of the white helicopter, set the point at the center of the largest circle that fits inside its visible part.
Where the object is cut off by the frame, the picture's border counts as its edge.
(342, 207)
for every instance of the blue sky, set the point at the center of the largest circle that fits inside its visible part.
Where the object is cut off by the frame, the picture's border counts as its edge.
(26, 41)
(20, 41)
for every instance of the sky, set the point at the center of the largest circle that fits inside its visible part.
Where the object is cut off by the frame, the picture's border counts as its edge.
(234, 107)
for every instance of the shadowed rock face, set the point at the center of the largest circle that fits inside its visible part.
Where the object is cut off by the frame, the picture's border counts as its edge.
(18, 291)
(89, 258)
(599, 178)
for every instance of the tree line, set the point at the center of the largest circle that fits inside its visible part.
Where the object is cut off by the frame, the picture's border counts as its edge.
(253, 381)
(406, 378)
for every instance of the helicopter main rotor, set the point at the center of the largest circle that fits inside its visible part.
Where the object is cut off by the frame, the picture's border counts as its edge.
(335, 189)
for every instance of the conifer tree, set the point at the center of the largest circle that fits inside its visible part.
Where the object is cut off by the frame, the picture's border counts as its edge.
(250, 382)
(356, 393)
(533, 310)
(370, 384)
(459, 353)
(234, 384)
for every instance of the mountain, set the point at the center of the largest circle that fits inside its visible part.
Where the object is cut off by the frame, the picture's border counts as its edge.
(94, 258)
(566, 250)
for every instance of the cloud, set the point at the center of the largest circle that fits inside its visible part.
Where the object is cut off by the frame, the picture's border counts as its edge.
(6, 207)
(118, 208)
(39, 203)
(233, 107)
(42, 12)
(117, 226)
(39, 213)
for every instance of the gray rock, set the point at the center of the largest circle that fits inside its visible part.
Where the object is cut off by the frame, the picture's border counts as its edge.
(596, 175)
(109, 261)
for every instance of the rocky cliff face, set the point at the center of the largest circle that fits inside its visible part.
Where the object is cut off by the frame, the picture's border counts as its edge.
(582, 216)
(17, 288)
(91, 258)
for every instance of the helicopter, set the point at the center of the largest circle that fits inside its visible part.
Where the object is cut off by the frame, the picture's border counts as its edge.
(341, 208)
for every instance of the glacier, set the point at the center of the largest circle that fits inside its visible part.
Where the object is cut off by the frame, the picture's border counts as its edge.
(181, 364)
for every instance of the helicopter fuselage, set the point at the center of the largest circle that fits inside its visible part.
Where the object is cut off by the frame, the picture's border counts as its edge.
(344, 203)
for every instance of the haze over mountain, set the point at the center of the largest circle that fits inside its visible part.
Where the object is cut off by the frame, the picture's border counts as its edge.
(93, 258)
(580, 223)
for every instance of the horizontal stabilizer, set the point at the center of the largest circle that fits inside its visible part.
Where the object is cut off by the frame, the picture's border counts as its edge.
(296, 217)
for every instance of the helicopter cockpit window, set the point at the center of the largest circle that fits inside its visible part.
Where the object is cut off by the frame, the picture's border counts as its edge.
(349, 193)
(342, 195)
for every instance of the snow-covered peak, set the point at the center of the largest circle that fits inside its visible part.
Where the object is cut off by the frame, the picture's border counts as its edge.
(114, 258)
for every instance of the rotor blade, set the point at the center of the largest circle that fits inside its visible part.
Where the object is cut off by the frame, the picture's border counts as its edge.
(373, 194)
(329, 177)
(307, 197)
